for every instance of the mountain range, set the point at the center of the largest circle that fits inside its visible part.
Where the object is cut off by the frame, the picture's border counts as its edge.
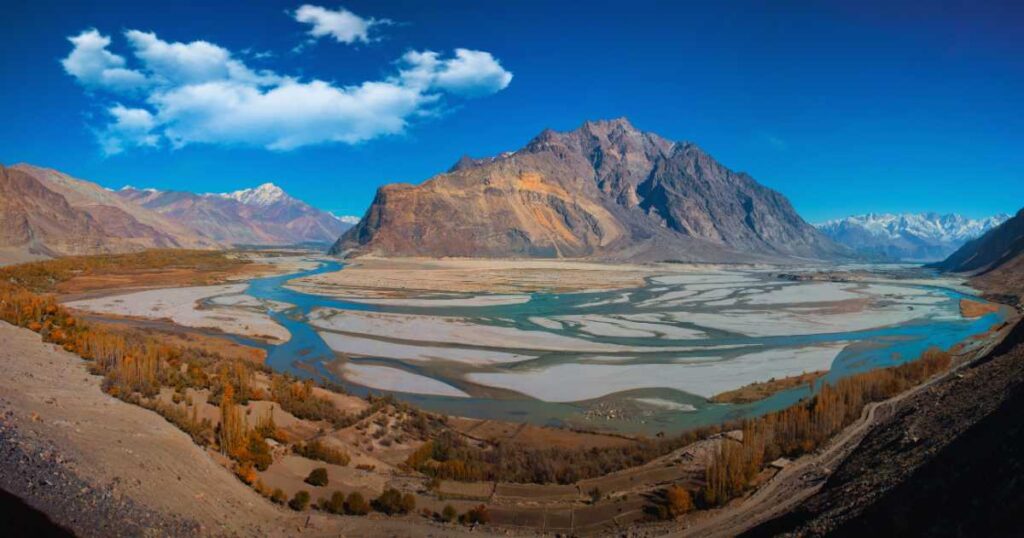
(907, 236)
(265, 215)
(46, 213)
(605, 190)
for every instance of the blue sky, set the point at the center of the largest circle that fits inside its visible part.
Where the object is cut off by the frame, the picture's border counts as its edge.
(845, 107)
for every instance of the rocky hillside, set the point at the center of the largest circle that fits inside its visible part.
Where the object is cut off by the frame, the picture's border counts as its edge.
(946, 462)
(605, 190)
(909, 236)
(995, 260)
(264, 215)
(45, 213)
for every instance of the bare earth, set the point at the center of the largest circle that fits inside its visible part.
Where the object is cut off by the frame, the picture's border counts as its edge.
(48, 399)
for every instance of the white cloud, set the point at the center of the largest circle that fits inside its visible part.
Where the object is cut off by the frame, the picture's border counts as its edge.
(94, 66)
(131, 127)
(199, 93)
(343, 25)
(470, 73)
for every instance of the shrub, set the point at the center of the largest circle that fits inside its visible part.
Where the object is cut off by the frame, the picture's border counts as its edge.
(477, 515)
(408, 503)
(278, 496)
(448, 513)
(356, 505)
(391, 501)
(300, 501)
(317, 477)
(337, 503)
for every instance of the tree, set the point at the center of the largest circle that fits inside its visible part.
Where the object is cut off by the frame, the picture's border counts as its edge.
(300, 501)
(448, 513)
(678, 500)
(317, 477)
(356, 505)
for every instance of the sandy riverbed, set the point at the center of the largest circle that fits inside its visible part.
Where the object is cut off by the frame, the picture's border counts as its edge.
(231, 312)
(405, 277)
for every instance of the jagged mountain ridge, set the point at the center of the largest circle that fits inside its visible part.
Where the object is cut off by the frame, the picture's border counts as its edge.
(605, 190)
(907, 236)
(264, 215)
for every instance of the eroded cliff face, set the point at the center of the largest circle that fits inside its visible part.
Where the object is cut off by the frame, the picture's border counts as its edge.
(605, 190)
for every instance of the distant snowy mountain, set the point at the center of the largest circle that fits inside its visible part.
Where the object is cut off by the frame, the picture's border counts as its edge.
(264, 215)
(909, 236)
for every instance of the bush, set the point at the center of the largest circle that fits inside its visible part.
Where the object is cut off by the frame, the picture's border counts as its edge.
(393, 502)
(278, 496)
(300, 501)
(316, 450)
(356, 505)
(478, 515)
(408, 503)
(448, 513)
(337, 503)
(317, 477)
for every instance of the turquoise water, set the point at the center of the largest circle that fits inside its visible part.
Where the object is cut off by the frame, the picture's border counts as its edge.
(306, 355)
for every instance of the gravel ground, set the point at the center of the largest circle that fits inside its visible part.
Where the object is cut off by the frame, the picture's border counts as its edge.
(35, 471)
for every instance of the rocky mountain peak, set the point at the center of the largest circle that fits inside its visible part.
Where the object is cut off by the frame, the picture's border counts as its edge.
(604, 189)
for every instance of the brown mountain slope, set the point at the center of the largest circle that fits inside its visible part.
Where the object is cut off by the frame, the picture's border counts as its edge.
(605, 190)
(36, 222)
(125, 222)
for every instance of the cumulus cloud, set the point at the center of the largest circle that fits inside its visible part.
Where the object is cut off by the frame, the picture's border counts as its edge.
(341, 24)
(130, 127)
(94, 66)
(178, 94)
(470, 73)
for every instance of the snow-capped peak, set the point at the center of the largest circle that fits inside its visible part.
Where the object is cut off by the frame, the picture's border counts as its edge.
(950, 227)
(908, 236)
(264, 195)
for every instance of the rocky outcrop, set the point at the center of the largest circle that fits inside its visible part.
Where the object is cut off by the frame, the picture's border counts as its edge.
(265, 215)
(605, 190)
